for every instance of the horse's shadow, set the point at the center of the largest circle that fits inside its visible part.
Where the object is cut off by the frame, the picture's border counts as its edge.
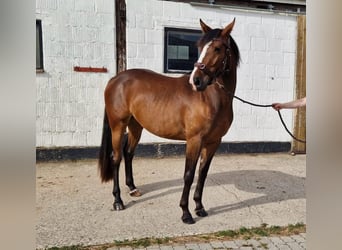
(274, 186)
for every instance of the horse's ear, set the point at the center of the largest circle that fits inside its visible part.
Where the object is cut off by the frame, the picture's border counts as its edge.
(205, 28)
(226, 31)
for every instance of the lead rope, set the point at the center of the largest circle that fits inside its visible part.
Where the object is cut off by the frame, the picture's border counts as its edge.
(281, 118)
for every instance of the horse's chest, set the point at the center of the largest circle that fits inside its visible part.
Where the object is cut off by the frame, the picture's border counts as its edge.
(221, 123)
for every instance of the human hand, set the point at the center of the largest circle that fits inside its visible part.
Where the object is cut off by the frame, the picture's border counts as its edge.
(277, 106)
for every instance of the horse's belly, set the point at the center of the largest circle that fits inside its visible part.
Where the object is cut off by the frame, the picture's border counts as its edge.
(166, 133)
(165, 128)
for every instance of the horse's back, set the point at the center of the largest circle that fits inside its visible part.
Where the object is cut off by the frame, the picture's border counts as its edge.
(134, 82)
(146, 77)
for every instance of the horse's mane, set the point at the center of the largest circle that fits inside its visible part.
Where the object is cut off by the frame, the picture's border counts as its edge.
(215, 33)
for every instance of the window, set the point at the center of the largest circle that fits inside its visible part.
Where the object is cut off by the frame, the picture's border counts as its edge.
(180, 50)
(39, 46)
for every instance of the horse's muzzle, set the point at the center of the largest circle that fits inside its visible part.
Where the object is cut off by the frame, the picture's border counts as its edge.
(198, 79)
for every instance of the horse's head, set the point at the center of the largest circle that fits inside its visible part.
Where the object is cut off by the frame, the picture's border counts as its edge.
(214, 58)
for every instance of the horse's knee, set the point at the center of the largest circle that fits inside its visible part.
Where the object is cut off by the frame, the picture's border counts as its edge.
(189, 177)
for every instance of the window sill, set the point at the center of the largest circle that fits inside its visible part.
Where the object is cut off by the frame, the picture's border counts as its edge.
(40, 71)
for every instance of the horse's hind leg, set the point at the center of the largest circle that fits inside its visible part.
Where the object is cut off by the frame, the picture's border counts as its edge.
(207, 155)
(117, 136)
(131, 141)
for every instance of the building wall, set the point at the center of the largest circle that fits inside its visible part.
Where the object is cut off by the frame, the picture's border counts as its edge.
(70, 106)
(82, 33)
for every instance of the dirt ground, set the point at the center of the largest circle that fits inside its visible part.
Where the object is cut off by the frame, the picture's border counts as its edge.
(74, 207)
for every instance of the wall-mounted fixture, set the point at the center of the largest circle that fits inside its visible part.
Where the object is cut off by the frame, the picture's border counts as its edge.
(90, 69)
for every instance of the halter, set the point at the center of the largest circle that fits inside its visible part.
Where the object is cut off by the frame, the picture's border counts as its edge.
(217, 73)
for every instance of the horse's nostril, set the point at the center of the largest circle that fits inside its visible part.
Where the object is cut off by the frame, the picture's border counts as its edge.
(197, 81)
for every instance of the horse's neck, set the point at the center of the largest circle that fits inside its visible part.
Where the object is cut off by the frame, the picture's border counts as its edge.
(229, 78)
(229, 82)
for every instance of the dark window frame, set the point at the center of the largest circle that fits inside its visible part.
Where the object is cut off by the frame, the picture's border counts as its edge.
(39, 47)
(167, 31)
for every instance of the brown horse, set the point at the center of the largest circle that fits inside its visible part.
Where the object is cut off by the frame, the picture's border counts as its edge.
(195, 108)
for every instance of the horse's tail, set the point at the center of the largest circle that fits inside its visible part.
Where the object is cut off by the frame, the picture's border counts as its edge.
(105, 163)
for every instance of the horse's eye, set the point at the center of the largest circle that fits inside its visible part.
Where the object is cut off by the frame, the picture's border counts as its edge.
(217, 49)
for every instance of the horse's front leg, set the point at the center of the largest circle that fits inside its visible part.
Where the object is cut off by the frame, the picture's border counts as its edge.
(192, 154)
(207, 155)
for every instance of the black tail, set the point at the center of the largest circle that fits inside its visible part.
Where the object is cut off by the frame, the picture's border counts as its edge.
(105, 156)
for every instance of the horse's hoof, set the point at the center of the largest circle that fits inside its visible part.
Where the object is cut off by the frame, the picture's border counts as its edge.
(118, 206)
(188, 219)
(201, 212)
(135, 193)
